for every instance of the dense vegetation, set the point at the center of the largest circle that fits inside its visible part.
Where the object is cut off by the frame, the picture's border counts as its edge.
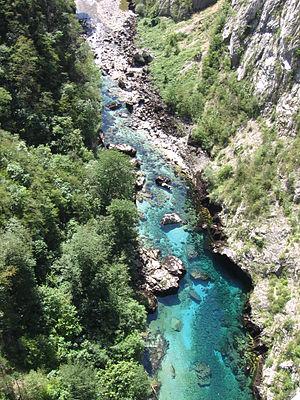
(254, 168)
(70, 324)
(208, 93)
(177, 9)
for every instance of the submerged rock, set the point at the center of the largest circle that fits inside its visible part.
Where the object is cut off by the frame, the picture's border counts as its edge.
(123, 148)
(199, 275)
(176, 324)
(194, 296)
(170, 219)
(203, 372)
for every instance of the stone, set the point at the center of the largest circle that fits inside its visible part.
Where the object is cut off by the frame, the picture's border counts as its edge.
(171, 219)
(163, 181)
(203, 374)
(142, 57)
(173, 372)
(160, 277)
(173, 265)
(176, 324)
(136, 163)
(129, 107)
(296, 198)
(194, 296)
(287, 365)
(199, 275)
(140, 181)
(113, 106)
(156, 348)
(123, 148)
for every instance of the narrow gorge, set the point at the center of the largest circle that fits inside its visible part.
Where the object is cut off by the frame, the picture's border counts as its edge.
(150, 200)
(192, 323)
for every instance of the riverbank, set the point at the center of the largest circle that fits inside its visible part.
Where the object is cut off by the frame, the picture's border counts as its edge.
(112, 40)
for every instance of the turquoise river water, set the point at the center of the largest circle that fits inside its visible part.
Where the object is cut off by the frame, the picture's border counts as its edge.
(205, 357)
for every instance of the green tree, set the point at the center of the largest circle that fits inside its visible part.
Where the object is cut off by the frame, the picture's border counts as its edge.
(125, 380)
(77, 382)
(112, 177)
(124, 220)
(19, 300)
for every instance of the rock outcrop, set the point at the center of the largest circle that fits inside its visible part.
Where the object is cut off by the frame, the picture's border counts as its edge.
(171, 219)
(160, 276)
(264, 41)
(123, 148)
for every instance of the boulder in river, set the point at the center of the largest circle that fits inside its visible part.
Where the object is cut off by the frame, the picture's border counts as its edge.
(194, 296)
(135, 163)
(163, 181)
(140, 181)
(156, 348)
(203, 372)
(123, 148)
(171, 219)
(160, 277)
(199, 275)
(113, 106)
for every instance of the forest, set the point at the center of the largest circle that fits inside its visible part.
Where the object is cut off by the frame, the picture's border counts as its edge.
(71, 325)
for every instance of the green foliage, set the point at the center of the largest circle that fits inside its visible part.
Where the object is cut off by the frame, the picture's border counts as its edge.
(278, 295)
(77, 382)
(111, 178)
(19, 302)
(35, 386)
(210, 96)
(125, 380)
(177, 9)
(255, 180)
(67, 220)
(47, 72)
(285, 385)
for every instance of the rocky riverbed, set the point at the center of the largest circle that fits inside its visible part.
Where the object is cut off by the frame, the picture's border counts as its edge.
(111, 35)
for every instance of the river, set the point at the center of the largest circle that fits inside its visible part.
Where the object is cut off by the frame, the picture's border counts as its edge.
(207, 351)
(205, 358)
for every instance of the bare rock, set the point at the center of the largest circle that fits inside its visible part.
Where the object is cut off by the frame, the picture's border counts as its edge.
(171, 219)
(140, 181)
(161, 277)
(123, 148)
(163, 181)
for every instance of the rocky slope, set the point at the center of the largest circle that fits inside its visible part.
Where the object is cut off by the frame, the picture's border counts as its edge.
(264, 45)
(256, 177)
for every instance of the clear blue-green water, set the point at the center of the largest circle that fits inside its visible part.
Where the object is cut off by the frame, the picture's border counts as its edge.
(211, 333)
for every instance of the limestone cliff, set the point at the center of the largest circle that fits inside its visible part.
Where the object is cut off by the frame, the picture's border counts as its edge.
(263, 38)
(264, 44)
(255, 171)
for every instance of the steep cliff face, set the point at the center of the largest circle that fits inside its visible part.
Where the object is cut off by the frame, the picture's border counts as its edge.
(255, 171)
(263, 38)
(264, 44)
(176, 9)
